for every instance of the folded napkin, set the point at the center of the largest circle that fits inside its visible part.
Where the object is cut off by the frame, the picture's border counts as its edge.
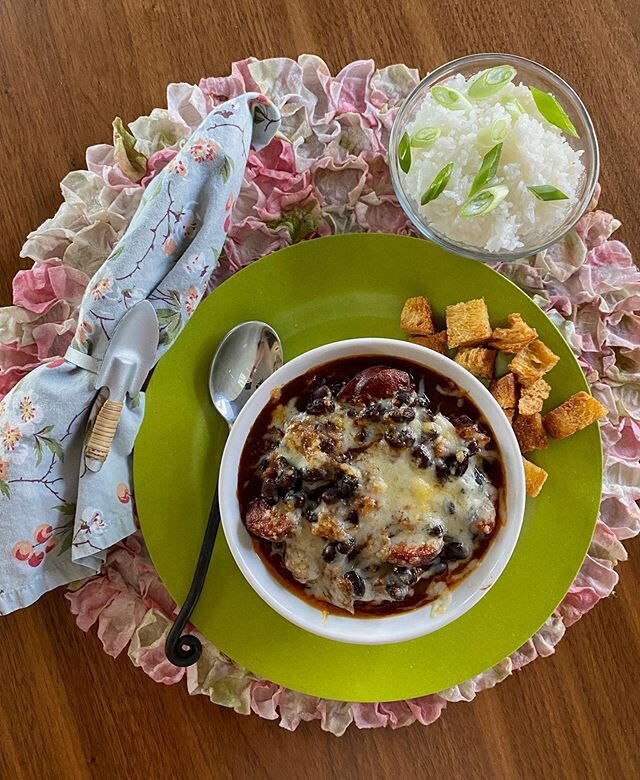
(59, 511)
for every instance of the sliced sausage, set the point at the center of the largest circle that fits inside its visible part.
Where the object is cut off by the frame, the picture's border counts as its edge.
(267, 522)
(376, 382)
(407, 554)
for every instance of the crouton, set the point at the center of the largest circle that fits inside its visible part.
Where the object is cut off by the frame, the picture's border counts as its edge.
(468, 433)
(514, 338)
(534, 478)
(505, 391)
(468, 324)
(328, 527)
(573, 415)
(365, 505)
(532, 362)
(437, 342)
(532, 397)
(416, 317)
(478, 360)
(530, 432)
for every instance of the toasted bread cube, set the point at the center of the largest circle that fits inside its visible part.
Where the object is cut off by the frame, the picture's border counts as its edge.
(534, 478)
(505, 391)
(514, 338)
(468, 324)
(573, 415)
(533, 397)
(532, 362)
(530, 432)
(327, 527)
(416, 317)
(437, 342)
(480, 361)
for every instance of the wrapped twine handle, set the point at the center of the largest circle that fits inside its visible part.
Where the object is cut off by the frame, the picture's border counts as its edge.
(104, 430)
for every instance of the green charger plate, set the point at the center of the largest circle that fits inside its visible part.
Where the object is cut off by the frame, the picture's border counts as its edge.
(314, 293)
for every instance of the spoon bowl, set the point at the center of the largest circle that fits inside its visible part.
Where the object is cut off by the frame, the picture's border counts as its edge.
(247, 355)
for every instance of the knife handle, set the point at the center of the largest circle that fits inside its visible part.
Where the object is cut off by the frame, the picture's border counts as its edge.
(103, 431)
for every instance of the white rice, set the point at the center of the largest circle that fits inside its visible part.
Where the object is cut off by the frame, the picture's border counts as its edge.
(534, 152)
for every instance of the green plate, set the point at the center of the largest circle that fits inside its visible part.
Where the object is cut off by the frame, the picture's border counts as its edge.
(314, 293)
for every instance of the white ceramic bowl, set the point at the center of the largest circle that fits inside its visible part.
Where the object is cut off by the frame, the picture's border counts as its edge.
(392, 628)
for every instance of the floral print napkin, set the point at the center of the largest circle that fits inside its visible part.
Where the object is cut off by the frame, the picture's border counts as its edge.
(59, 513)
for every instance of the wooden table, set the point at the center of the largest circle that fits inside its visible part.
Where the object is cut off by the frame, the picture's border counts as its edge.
(69, 711)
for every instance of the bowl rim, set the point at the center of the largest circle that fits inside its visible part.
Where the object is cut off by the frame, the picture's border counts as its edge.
(460, 249)
(391, 628)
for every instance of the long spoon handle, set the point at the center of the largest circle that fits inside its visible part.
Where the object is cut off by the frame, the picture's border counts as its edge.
(186, 650)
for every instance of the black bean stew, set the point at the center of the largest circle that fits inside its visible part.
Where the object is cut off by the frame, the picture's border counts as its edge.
(369, 489)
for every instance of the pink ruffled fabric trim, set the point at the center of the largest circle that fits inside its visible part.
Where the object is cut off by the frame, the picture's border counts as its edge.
(327, 174)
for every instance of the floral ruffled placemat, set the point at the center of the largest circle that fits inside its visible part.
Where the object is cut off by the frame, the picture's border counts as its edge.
(326, 173)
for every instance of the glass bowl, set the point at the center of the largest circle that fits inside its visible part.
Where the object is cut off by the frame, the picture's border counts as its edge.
(531, 74)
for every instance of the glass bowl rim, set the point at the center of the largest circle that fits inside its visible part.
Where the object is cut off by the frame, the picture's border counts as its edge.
(591, 141)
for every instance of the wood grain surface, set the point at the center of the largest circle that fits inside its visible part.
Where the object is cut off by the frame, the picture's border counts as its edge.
(67, 710)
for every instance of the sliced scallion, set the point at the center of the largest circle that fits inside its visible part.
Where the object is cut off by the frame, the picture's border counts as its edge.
(425, 137)
(547, 192)
(513, 106)
(553, 112)
(437, 185)
(491, 81)
(450, 98)
(495, 133)
(484, 201)
(488, 169)
(404, 153)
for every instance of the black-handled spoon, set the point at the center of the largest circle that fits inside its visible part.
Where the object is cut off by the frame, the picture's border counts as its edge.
(185, 650)
(247, 355)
